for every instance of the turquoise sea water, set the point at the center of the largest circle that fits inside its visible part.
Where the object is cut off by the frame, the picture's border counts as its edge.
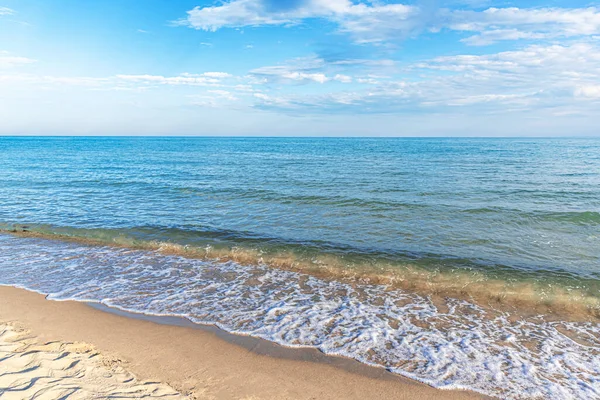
(491, 210)
(524, 204)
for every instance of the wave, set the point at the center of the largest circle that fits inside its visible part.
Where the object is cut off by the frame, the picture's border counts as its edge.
(550, 292)
(574, 217)
(584, 217)
(449, 344)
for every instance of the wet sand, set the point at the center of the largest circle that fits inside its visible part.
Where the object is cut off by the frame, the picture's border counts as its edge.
(195, 361)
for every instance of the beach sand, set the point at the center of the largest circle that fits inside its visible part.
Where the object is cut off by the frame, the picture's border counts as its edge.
(56, 348)
(30, 369)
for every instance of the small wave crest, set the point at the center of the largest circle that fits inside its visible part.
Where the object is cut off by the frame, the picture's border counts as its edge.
(509, 289)
(584, 217)
(574, 217)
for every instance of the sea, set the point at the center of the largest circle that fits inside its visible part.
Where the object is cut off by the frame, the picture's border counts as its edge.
(464, 263)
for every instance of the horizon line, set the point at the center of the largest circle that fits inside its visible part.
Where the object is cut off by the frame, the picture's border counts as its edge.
(292, 137)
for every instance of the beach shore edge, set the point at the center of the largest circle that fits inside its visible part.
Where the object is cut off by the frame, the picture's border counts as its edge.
(205, 362)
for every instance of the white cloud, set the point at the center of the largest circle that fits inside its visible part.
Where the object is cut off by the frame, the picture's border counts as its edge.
(241, 13)
(301, 76)
(220, 75)
(313, 69)
(577, 21)
(8, 61)
(342, 78)
(214, 98)
(45, 80)
(368, 80)
(515, 99)
(123, 82)
(6, 11)
(364, 62)
(590, 91)
(367, 22)
(205, 79)
(496, 24)
(376, 22)
(562, 77)
(75, 81)
(271, 101)
(224, 94)
(379, 23)
(244, 88)
(561, 60)
(492, 36)
(300, 70)
(534, 78)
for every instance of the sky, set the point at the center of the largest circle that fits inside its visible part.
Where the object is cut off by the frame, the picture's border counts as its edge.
(300, 67)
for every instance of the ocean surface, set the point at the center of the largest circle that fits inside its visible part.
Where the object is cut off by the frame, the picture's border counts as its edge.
(463, 263)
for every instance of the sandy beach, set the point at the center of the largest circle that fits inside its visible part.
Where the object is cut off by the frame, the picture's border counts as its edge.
(52, 349)
(61, 370)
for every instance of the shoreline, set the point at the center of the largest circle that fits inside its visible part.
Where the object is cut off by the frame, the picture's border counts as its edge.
(204, 361)
(524, 299)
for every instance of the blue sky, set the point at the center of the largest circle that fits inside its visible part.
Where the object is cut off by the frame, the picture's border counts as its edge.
(300, 67)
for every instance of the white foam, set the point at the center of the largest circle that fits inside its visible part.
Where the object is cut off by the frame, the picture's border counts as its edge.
(461, 348)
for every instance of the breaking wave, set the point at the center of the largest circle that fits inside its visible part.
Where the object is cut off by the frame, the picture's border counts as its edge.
(449, 344)
(547, 291)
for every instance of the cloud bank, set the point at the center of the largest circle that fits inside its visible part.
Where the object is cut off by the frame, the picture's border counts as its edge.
(376, 22)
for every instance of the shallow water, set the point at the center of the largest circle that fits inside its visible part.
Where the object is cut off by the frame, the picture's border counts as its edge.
(332, 243)
(459, 345)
